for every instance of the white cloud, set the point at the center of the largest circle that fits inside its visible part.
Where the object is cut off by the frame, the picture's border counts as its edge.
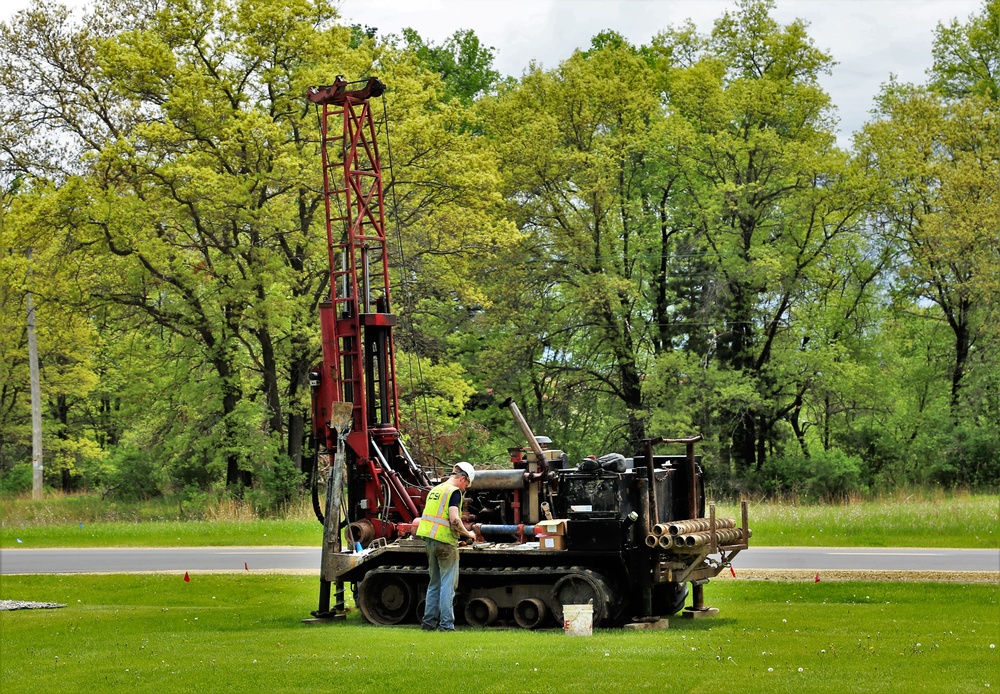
(869, 39)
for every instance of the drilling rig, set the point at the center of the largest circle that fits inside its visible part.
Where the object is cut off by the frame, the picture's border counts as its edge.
(627, 534)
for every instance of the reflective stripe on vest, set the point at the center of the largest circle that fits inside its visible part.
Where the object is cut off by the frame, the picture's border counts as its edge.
(434, 522)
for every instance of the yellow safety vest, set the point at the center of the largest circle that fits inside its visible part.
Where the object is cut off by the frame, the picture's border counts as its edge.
(434, 523)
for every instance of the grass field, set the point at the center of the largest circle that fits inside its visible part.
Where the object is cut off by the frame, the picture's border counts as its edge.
(243, 632)
(221, 533)
(963, 521)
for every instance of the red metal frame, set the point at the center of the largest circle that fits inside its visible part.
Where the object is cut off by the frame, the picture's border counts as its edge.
(356, 323)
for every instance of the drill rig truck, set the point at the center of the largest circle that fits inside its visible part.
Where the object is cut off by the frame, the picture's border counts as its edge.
(625, 533)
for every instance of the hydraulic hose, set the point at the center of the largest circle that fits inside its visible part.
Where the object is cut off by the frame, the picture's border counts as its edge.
(314, 487)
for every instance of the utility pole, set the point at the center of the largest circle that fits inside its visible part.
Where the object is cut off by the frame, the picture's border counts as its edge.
(36, 396)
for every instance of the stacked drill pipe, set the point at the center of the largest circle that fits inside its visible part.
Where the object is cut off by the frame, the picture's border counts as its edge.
(695, 525)
(694, 533)
(722, 537)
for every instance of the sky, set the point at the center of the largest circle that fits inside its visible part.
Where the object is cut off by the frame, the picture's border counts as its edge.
(869, 39)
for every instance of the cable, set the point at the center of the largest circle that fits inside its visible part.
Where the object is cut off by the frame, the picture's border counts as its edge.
(407, 298)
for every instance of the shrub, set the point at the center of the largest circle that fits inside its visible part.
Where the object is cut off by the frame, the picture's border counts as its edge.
(827, 475)
(881, 453)
(972, 457)
(17, 480)
(834, 475)
(278, 484)
(783, 475)
(132, 474)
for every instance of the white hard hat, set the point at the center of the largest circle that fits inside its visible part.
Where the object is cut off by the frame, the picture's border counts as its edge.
(466, 469)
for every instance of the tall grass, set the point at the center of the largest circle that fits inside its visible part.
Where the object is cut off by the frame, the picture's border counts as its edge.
(927, 519)
(81, 520)
(911, 520)
(57, 507)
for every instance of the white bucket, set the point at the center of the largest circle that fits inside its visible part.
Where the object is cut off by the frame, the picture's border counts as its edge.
(578, 620)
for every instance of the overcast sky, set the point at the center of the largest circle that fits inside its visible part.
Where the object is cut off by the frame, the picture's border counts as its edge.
(869, 39)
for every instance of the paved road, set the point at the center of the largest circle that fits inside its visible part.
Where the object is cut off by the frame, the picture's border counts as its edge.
(869, 559)
(48, 561)
(30, 561)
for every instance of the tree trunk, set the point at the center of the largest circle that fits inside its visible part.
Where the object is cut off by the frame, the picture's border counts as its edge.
(270, 381)
(793, 419)
(763, 435)
(296, 438)
(235, 477)
(962, 347)
(298, 377)
(632, 396)
(60, 411)
(744, 444)
(736, 351)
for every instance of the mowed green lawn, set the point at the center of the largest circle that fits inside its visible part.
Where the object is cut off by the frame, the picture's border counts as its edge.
(963, 521)
(242, 632)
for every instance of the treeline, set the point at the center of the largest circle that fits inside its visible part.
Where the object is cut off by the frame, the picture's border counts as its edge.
(643, 241)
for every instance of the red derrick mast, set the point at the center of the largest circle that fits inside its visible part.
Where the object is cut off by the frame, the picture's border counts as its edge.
(385, 486)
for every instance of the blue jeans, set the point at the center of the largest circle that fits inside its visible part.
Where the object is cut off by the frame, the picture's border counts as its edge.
(442, 566)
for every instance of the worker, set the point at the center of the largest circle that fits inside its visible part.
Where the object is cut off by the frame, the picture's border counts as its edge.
(441, 527)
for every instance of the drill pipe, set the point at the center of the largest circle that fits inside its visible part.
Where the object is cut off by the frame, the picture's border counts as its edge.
(660, 529)
(507, 529)
(666, 541)
(721, 536)
(697, 525)
(652, 540)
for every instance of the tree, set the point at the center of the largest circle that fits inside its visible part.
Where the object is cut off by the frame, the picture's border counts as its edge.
(766, 195)
(66, 339)
(940, 162)
(464, 64)
(967, 56)
(199, 176)
(934, 157)
(573, 156)
(193, 176)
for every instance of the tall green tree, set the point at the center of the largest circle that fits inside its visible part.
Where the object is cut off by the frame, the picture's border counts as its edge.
(193, 173)
(199, 165)
(967, 56)
(936, 151)
(33, 260)
(767, 196)
(446, 214)
(572, 142)
(464, 64)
